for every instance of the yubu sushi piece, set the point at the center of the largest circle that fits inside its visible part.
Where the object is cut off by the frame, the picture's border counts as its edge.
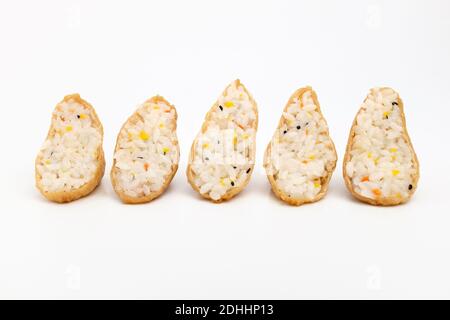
(380, 165)
(147, 152)
(223, 153)
(301, 157)
(71, 163)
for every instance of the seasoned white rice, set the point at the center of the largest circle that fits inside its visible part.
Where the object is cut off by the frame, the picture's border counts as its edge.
(381, 160)
(69, 159)
(302, 152)
(147, 150)
(224, 150)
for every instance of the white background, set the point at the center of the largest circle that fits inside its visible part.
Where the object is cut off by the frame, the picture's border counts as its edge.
(117, 54)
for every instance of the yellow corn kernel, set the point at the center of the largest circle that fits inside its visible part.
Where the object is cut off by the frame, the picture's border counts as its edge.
(393, 150)
(369, 155)
(144, 135)
(47, 161)
(130, 136)
(398, 195)
(83, 116)
(161, 125)
(155, 107)
(386, 114)
(376, 161)
(69, 128)
(165, 150)
(222, 181)
(235, 139)
(393, 158)
(316, 184)
(395, 172)
(245, 136)
(229, 104)
(312, 157)
(205, 146)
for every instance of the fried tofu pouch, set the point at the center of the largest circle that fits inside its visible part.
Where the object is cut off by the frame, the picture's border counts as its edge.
(71, 162)
(222, 155)
(380, 165)
(147, 153)
(301, 157)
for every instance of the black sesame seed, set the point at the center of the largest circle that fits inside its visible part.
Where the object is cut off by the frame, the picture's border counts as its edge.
(285, 131)
(298, 127)
(141, 158)
(234, 167)
(232, 183)
(387, 117)
(221, 108)
(248, 170)
(206, 158)
(410, 187)
(394, 103)
(78, 116)
(164, 153)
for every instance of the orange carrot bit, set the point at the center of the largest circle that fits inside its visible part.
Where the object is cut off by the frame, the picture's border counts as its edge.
(146, 165)
(364, 179)
(376, 192)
